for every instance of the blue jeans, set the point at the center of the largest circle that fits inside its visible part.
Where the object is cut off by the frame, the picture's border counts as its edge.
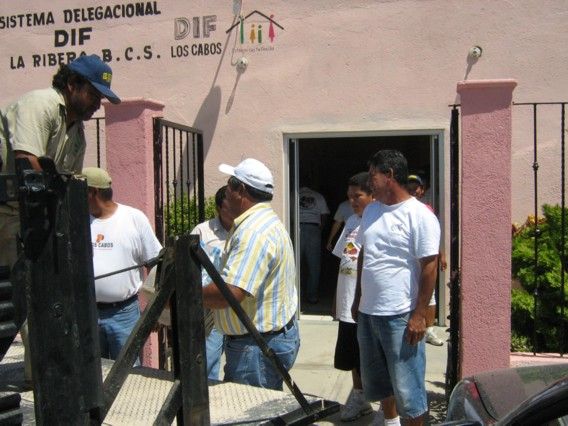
(247, 364)
(389, 365)
(310, 259)
(214, 346)
(115, 325)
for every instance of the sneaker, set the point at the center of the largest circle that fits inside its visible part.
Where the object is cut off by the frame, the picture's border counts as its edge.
(378, 418)
(433, 339)
(355, 407)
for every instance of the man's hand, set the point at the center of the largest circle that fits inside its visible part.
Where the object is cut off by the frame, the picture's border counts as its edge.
(355, 309)
(416, 328)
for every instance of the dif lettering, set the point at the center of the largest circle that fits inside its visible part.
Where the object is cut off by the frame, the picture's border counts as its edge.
(73, 37)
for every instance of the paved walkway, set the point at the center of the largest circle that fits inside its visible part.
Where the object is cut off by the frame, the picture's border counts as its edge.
(314, 373)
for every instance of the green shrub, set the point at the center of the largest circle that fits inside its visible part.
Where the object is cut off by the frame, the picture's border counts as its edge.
(183, 215)
(547, 278)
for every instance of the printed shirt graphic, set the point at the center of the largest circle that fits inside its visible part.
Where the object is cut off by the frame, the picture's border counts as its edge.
(312, 206)
(347, 249)
(122, 240)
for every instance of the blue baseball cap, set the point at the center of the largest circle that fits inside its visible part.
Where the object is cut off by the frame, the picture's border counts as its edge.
(97, 72)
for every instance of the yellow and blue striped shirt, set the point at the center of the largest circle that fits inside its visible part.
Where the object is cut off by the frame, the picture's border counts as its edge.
(259, 259)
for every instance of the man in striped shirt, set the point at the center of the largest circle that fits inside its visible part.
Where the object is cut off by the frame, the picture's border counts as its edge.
(258, 266)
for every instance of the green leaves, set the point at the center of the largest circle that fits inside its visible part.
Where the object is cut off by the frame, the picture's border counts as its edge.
(182, 215)
(541, 272)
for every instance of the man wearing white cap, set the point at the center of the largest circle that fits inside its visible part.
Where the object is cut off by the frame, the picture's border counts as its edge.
(258, 266)
(121, 237)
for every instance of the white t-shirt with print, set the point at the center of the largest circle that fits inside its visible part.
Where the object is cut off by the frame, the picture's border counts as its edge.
(122, 240)
(312, 206)
(347, 249)
(395, 238)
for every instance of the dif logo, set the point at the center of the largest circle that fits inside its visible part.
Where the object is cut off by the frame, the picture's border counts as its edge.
(197, 26)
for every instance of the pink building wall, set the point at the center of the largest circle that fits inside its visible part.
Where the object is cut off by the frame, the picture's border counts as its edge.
(485, 316)
(130, 163)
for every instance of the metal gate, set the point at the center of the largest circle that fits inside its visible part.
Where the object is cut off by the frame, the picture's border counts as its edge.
(549, 320)
(178, 178)
(552, 319)
(452, 367)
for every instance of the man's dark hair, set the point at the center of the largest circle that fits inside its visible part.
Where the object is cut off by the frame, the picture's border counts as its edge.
(105, 194)
(64, 76)
(361, 180)
(220, 196)
(256, 194)
(386, 160)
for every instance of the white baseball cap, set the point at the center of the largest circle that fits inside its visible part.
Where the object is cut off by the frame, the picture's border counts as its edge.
(253, 173)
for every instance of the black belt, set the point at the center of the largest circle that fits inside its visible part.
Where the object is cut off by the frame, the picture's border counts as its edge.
(267, 333)
(121, 304)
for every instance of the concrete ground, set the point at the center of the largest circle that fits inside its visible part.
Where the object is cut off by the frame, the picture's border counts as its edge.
(314, 373)
(145, 390)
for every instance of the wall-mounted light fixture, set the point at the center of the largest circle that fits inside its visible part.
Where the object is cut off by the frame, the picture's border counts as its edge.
(476, 52)
(242, 64)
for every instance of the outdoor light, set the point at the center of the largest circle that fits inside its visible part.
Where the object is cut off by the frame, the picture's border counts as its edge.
(475, 52)
(242, 64)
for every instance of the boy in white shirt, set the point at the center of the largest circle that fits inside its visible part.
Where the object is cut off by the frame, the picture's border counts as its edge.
(347, 249)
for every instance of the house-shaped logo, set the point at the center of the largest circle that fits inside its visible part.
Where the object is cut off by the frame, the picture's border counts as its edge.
(256, 28)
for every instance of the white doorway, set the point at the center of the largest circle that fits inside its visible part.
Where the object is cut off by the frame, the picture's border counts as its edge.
(329, 160)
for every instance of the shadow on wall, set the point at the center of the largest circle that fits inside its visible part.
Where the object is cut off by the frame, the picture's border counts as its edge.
(208, 115)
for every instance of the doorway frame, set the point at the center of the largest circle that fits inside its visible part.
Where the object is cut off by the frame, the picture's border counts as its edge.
(437, 149)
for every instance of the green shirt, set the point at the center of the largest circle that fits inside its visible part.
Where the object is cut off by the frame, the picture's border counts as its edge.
(35, 123)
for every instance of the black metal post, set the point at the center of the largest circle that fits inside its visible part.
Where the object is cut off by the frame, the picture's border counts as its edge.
(453, 362)
(190, 334)
(536, 290)
(63, 335)
(563, 322)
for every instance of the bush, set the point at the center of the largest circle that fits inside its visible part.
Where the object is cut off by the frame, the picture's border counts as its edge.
(547, 278)
(182, 216)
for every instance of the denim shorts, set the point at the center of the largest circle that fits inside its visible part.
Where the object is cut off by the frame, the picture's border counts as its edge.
(246, 364)
(389, 365)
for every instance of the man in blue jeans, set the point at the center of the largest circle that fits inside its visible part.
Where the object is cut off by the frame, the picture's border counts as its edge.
(258, 266)
(213, 235)
(397, 267)
(121, 237)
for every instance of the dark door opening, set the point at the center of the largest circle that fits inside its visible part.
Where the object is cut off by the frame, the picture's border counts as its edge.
(329, 163)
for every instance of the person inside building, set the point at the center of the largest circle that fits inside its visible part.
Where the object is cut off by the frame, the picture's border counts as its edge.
(121, 237)
(397, 268)
(347, 249)
(313, 216)
(258, 266)
(49, 123)
(213, 235)
(415, 187)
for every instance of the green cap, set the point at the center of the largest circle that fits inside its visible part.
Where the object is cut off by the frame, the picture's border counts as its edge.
(96, 178)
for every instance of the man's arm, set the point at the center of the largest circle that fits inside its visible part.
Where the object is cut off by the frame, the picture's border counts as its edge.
(416, 327)
(334, 229)
(214, 299)
(357, 298)
(31, 158)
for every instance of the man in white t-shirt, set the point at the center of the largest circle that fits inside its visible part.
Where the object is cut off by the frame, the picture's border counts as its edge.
(213, 235)
(397, 268)
(313, 215)
(121, 237)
